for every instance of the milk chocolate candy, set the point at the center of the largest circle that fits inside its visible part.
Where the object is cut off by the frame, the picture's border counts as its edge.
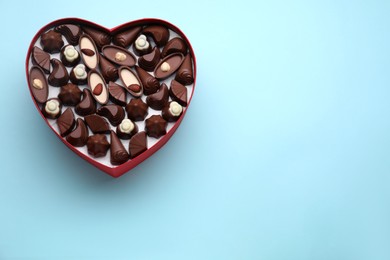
(174, 45)
(167, 66)
(178, 93)
(52, 108)
(41, 58)
(70, 95)
(160, 34)
(126, 129)
(71, 32)
(172, 111)
(97, 124)
(159, 99)
(155, 126)
(99, 37)
(149, 83)
(98, 87)
(117, 93)
(66, 122)
(149, 61)
(89, 52)
(132, 82)
(97, 145)
(136, 110)
(87, 105)
(138, 144)
(79, 136)
(141, 45)
(126, 38)
(51, 41)
(69, 56)
(108, 70)
(114, 113)
(59, 75)
(119, 55)
(118, 153)
(38, 84)
(78, 75)
(185, 74)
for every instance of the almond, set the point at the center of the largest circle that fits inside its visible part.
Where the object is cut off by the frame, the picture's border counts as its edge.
(98, 89)
(135, 88)
(88, 52)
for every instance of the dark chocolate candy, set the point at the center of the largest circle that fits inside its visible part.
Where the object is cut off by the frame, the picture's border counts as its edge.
(155, 126)
(178, 93)
(71, 32)
(38, 84)
(185, 74)
(117, 93)
(98, 145)
(79, 136)
(51, 41)
(131, 81)
(52, 108)
(160, 34)
(100, 38)
(138, 144)
(141, 45)
(137, 110)
(114, 113)
(97, 124)
(69, 56)
(89, 52)
(149, 61)
(118, 153)
(174, 45)
(70, 94)
(66, 122)
(78, 75)
(109, 71)
(119, 55)
(172, 111)
(126, 38)
(59, 75)
(87, 105)
(41, 58)
(98, 87)
(167, 66)
(159, 99)
(149, 83)
(126, 129)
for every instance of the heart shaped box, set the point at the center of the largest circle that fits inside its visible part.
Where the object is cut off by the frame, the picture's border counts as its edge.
(116, 171)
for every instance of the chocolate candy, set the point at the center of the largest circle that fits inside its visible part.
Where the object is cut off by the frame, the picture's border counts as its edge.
(149, 61)
(87, 105)
(185, 74)
(113, 113)
(118, 153)
(69, 56)
(136, 110)
(78, 75)
(51, 41)
(99, 37)
(141, 46)
(138, 144)
(149, 83)
(79, 136)
(70, 94)
(109, 71)
(155, 126)
(59, 75)
(71, 32)
(160, 34)
(41, 58)
(52, 108)
(174, 45)
(159, 99)
(97, 124)
(168, 65)
(126, 129)
(98, 87)
(178, 93)
(38, 84)
(131, 81)
(89, 52)
(66, 122)
(119, 55)
(126, 38)
(97, 145)
(117, 94)
(172, 111)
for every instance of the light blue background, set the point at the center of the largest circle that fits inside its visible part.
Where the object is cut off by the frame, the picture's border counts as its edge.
(283, 154)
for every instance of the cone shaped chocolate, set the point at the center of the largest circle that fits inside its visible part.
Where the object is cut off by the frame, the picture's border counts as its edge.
(185, 74)
(99, 37)
(149, 83)
(118, 153)
(126, 38)
(109, 71)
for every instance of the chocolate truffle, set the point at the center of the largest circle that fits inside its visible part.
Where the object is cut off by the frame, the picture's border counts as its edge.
(149, 61)
(149, 83)
(100, 38)
(160, 34)
(131, 81)
(59, 75)
(38, 84)
(79, 136)
(41, 58)
(113, 113)
(137, 110)
(89, 52)
(119, 55)
(126, 129)
(172, 111)
(141, 46)
(159, 99)
(168, 65)
(71, 32)
(87, 105)
(178, 93)
(97, 145)
(126, 38)
(69, 56)
(70, 95)
(109, 71)
(138, 144)
(51, 41)
(97, 124)
(98, 87)
(117, 94)
(118, 153)
(185, 74)
(78, 75)
(174, 45)
(66, 122)
(155, 126)
(52, 108)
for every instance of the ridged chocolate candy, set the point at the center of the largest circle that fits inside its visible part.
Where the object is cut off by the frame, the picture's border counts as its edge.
(71, 32)
(150, 84)
(159, 99)
(126, 38)
(114, 113)
(118, 153)
(138, 144)
(79, 136)
(41, 58)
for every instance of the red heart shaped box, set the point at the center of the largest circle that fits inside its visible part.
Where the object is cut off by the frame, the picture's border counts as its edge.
(123, 168)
